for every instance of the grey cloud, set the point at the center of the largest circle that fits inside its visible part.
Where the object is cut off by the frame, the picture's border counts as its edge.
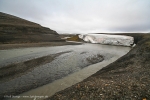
(135, 28)
(83, 15)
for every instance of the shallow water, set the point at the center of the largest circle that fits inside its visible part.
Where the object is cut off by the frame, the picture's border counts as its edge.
(57, 71)
(23, 54)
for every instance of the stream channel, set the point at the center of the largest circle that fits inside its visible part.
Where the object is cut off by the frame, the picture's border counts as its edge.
(72, 64)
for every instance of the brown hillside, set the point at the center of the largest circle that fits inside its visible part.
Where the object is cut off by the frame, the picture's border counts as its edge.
(16, 30)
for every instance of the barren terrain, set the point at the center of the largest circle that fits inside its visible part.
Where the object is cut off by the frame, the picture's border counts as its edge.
(128, 78)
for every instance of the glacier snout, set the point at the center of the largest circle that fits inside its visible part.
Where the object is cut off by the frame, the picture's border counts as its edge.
(108, 39)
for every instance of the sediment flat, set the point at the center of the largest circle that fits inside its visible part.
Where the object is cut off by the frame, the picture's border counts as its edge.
(40, 44)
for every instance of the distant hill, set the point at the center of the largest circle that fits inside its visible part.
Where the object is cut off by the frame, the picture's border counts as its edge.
(17, 30)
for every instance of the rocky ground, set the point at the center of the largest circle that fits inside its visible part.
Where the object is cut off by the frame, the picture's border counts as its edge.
(128, 78)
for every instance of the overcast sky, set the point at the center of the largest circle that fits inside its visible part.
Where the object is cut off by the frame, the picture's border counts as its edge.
(83, 16)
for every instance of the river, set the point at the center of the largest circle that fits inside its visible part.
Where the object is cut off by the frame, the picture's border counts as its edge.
(65, 70)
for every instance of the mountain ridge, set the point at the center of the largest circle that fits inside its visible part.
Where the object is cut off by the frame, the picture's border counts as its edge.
(17, 30)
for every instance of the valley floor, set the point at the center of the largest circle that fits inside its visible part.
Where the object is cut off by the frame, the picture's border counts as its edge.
(128, 78)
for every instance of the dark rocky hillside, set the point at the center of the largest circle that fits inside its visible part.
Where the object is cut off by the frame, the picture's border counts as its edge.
(16, 30)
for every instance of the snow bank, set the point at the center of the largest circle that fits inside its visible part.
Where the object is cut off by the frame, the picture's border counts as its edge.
(108, 39)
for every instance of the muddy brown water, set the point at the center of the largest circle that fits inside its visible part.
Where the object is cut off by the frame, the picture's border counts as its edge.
(70, 66)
